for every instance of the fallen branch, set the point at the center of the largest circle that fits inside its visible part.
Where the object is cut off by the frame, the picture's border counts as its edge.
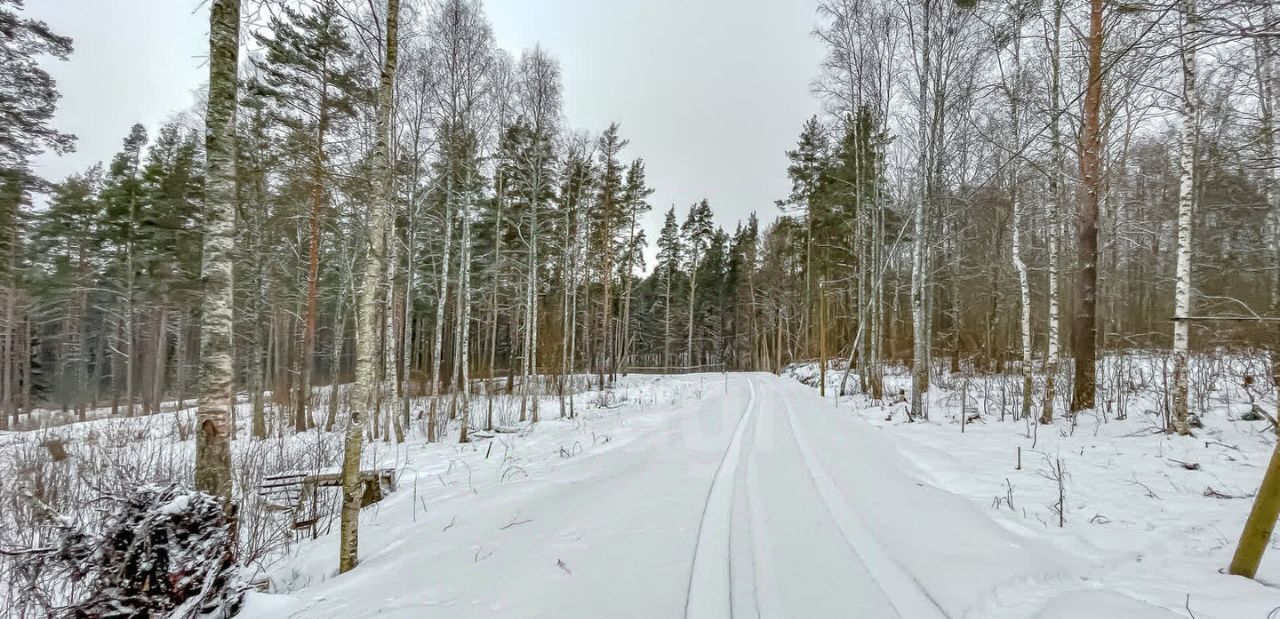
(1208, 443)
(1210, 492)
(25, 552)
(1150, 493)
(514, 523)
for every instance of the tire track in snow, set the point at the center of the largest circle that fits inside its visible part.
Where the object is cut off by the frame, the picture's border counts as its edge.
(903, 591)
(710, 590)
(743, 524)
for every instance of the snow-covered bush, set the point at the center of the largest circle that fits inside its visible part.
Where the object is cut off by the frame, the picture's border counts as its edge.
(166, 552)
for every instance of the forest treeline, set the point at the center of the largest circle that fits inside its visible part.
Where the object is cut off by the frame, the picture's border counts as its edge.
(1007, 187)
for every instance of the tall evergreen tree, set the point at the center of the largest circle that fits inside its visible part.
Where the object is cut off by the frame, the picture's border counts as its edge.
(123, 196)
(696, 232)
(669, 252)
(30, 94)
(635, 197)
(607, 219)
(807, 170)
(309, 74)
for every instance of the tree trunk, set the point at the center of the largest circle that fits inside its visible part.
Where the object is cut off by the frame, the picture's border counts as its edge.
(693, 297)
(366, 331)
(1084, 330)
(919, 259)
(441, 298)
(1186, 211)
(1056, 183)
(464, 320)
(1015, 197)
(215, 409)
(306, 354)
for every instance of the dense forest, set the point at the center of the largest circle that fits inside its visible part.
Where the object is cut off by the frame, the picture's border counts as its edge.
(986, 184)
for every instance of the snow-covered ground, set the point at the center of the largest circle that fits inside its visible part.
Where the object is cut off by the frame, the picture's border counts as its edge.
(1148, 515)
(750, 495)
(718, 495)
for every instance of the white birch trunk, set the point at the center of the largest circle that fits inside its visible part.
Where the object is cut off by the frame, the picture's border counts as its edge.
(533, 303)
(1186, 210)
(461, 400)
(437, 344)
(1056, 184)
(366, 325)
(920, 350)
(217, 399)
(1019, 263)
(464, 297)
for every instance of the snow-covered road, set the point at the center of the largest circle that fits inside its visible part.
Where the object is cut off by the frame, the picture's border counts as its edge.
(777, 540)
(750, 497)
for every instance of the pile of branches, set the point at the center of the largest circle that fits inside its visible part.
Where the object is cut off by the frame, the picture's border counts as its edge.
(163, 552)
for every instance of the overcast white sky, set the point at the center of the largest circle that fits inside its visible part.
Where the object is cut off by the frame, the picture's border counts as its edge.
(710, 92)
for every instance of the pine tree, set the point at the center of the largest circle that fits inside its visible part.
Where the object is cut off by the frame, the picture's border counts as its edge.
(635, 195)
(27, 106)
(70, 226)
(168, 250)
(669, 252)
(31, 95)
(607, 220)
(256, 158)
(745, 265)
(122, 196)
(696, 232)
(309, 75)
(807, 168)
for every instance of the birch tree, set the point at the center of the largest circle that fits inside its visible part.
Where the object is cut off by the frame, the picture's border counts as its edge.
(1013, 86)
(923, 41)
(1057, 186)
(1187, 44)
(362, 392)
(462, 60)
(539, 96)
(216, 402)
